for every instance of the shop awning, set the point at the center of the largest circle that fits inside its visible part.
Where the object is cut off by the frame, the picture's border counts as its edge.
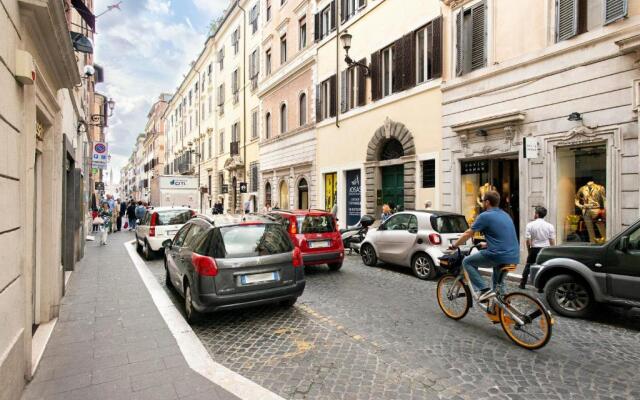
(85, 13)
(81, 43)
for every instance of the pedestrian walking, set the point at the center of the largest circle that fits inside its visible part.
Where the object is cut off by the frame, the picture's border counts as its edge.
(140, 210)
(131, 215)
(386, 212)
(106, 215)
(539, 234)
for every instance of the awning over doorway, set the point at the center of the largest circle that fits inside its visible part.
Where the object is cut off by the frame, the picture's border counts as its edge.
(85, 13)
(81, 43)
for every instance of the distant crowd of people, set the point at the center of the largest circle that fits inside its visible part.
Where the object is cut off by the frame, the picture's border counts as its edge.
(114, 215)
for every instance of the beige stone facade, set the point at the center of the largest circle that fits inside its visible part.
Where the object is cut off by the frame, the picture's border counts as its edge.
(154, 145)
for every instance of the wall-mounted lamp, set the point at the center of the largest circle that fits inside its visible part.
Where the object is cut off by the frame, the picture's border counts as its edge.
(575, 116)
(346, 38)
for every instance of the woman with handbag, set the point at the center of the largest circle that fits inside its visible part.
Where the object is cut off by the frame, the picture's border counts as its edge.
(105, 215)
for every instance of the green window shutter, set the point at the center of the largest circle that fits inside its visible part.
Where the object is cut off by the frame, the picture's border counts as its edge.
(460, 43)
(566, 19)
(479, 36)
(614, 10)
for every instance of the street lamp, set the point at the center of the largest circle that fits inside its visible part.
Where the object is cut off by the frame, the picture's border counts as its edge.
(111, 104)
(346, 45)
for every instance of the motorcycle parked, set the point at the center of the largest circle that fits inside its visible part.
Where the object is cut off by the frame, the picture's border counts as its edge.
(354, 235)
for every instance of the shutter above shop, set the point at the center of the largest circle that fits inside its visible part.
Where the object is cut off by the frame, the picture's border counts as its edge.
(316, 27)
(318, 104)
(437, 48)
(362, 84)
(343, 91)
(566, 19)
(459, 43)
(479, 36)
(615, 10)
(376, 79)
(409, 70)
(333, 95)
(397, 65)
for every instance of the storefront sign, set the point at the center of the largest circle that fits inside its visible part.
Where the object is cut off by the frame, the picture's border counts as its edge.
(474, 167)
(243, 187)
(224, 189)
(353, 197)
(530, 147)
(178, 182)
(100, 156)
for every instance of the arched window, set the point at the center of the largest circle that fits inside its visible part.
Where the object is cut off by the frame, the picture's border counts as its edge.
(267, 126)
(284, 195)
(267, 195)
(303, 194)
(283, 118)
(303, 109)
(391, 150)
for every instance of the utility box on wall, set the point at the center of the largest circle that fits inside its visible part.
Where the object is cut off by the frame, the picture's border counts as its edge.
(25, 68)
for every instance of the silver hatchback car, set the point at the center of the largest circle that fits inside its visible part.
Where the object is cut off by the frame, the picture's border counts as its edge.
(415, 239)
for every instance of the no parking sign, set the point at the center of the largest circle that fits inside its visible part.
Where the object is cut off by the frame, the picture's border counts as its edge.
(100, 156)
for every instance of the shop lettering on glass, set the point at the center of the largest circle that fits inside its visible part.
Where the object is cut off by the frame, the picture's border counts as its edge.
(353, 197)
(474, 167)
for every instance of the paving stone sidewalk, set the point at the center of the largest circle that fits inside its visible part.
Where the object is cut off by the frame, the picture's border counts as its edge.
(111, 342)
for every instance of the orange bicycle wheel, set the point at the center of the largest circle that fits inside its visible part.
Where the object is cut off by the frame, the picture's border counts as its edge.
(454, 297)
(535, 333)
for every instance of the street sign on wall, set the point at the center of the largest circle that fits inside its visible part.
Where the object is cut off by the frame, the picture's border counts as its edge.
(353, 197)
(530, 147)
(243, 187)
(100, 156)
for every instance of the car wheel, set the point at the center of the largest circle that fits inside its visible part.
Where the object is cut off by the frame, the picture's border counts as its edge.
(138, 245)
(191, 313)
(569, 296)
(335, 266)
(423, 267)
(289, 302)
(146, 251)
(368, 254)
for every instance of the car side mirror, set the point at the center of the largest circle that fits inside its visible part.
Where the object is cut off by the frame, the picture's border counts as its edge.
(623, 244)
(413, 230)
(167, 243)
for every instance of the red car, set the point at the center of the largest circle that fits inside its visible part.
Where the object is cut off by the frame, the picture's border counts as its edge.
(316, 233)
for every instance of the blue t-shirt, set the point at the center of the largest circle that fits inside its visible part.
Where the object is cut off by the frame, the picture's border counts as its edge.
(500, 233)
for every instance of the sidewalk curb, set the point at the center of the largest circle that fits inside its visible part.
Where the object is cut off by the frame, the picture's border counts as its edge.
(194, 352)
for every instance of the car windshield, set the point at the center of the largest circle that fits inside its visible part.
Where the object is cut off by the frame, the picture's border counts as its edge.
(449, 224)
(315, 224)
(173, 217)
(254, 240)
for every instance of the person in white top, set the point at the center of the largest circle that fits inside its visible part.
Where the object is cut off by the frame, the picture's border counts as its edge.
(539, 234)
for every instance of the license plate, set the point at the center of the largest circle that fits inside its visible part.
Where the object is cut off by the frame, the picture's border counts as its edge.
(259, 278)
(319, 244)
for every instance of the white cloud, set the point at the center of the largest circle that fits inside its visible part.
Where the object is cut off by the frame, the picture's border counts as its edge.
(159, 6)
(212, 7)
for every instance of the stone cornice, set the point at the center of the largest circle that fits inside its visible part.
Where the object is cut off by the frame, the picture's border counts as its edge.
(514, 117)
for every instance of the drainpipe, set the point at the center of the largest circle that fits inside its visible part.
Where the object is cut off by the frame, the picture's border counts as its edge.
(338, 15)
(244, 94)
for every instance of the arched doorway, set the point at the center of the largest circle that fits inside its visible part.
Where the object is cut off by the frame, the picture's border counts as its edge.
(267, 195)
(284, 195)
(303, 194)
(392, 175)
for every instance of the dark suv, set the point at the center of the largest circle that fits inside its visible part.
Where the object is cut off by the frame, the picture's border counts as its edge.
(224, 263)
(576, 276)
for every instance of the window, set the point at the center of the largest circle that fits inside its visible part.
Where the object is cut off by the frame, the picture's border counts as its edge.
(429, 173)
(221, 98)
(210, 104)
(235, 132)
(282, 2)
(267, 194)
(428, 51)
(190, 95)
(268, 10)
(254, 65)
(210, 151)
(221, 147)
(254, 124)
(302, 101)
(325, 22)
(209, 71)
(254, 16)
(202, 113)
(398, 222)
(302, 33)
(221, 58)
(325, 99)
(349, 8)
(267, 62)
(283, 118)
(235, 85)
(353, 92)
(471, 38)
(574, 17)
(253, 167)
(283, 49)
(235, 40)
(267, 126)
(387, 72)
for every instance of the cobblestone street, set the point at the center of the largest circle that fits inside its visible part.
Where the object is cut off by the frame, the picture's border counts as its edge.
(378, 333)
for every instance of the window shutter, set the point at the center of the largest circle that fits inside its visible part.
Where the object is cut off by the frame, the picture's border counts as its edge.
(566, 19)
(318, 103)
(333, 15)
(409, 70)
(460, 43)
(376, 79)
(397, 66)
(436, 50)
(479, 36)
(362, 3)
(362, 84)
(614, 10)
(344, 12)
(332, 96)
(343, 91)
(316, 27)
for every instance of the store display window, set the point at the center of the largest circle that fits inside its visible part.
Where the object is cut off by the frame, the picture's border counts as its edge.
(581, 194)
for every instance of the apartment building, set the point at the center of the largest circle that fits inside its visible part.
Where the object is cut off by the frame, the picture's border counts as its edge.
(542, 106)
(285, 69)
(378, 119)
(154, 144)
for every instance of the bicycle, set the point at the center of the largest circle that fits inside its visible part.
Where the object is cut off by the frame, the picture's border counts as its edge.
(524, 319)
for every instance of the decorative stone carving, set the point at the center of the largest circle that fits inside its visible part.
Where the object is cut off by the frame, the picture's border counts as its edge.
(387, 128)
(582, 133)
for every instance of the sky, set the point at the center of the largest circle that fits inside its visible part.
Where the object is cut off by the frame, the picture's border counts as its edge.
(145, 49)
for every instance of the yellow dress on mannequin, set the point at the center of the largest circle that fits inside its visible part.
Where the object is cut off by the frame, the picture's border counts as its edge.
(590, 199)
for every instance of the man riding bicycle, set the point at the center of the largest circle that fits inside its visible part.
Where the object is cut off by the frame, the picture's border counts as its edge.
(502, 245)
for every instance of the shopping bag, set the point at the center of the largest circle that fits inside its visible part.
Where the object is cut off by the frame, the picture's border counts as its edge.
(98, 221)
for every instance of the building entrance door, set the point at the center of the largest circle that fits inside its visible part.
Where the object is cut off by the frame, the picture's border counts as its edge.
(393, 186)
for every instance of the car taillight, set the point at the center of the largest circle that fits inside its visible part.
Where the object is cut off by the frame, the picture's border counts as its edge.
(152, 229)
(297, 257)
(204, 265)
(434, 238)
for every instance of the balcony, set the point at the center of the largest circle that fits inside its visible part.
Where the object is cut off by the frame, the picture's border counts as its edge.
(235, 148)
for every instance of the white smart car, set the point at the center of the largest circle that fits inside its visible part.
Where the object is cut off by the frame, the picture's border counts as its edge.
(158, 225)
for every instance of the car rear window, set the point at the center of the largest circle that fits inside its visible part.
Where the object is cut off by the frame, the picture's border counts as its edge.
(449, 224)
(173, 217)
(251, 240)
(315, 224)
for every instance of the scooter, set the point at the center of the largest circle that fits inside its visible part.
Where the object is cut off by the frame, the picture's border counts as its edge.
(354, 235)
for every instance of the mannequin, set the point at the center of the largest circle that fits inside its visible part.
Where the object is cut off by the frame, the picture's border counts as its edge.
(590, 199)
(481, 192)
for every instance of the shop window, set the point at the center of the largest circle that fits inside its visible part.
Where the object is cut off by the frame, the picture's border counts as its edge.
(267, 195)
(284, 195)
(330, 190)
(303, 194)
(581, 195)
